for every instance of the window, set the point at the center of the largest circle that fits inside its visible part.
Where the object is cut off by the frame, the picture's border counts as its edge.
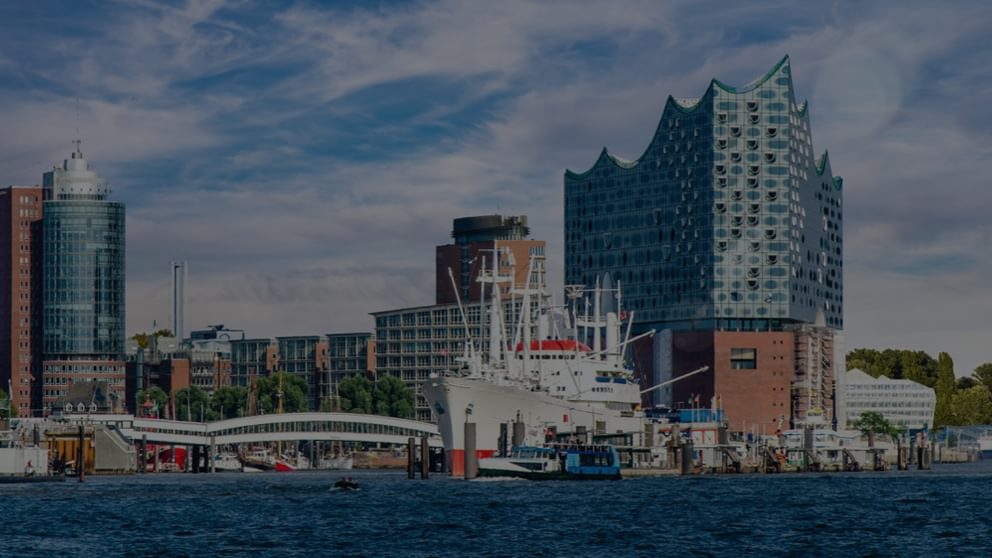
(735, 157)
(721, 117)
(752, 106)
(771, 132)
(743, 359)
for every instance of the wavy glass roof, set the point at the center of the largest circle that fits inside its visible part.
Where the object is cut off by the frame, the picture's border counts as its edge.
(688, 106)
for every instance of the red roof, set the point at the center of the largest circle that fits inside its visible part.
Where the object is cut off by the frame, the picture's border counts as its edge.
(554, 345)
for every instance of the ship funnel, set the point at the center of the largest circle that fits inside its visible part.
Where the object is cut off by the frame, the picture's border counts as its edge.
(612, 334)
(543, 325)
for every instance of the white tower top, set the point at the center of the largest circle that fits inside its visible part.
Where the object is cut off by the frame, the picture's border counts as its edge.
(75, 181)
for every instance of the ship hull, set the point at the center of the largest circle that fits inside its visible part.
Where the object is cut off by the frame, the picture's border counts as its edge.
(457, 400)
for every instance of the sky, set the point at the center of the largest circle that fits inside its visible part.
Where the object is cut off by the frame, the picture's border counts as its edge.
(305, 158)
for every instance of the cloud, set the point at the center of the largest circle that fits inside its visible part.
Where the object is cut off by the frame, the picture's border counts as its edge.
(306, 159)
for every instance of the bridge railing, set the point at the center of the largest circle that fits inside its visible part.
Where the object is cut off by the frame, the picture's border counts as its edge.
(287, 426)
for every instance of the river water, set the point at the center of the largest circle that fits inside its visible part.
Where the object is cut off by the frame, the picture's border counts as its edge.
(942, 512)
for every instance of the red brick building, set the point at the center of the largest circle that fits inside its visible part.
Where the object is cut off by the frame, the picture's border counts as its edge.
(475, 240)
(20, 296)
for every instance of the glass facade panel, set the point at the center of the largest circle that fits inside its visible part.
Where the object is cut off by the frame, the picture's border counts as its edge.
(83, 270)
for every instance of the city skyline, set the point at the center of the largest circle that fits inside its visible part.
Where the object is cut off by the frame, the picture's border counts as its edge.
(305, 162)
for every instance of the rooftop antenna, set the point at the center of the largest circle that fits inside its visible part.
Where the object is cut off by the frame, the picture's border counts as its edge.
(78, 141)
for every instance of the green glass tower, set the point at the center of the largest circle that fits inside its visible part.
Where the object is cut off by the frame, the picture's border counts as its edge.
(727, 221)
(83, 283)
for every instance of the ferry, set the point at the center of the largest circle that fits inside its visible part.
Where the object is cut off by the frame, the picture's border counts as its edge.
(543, 388)
(985, 446)
(555, 463)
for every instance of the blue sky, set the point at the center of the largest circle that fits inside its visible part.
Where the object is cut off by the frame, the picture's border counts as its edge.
(306, 157)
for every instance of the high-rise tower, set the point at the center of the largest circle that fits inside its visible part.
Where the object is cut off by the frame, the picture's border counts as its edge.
(20, 295)
(475, 239)
(178, 276)
(83, 291)
(727, 224)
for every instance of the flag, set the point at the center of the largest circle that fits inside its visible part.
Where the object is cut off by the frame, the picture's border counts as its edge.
(564, 418)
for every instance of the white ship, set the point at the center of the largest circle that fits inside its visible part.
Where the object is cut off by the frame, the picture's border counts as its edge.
(539, 388)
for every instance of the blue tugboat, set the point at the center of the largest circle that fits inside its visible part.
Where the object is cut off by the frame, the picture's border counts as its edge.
(574, 462)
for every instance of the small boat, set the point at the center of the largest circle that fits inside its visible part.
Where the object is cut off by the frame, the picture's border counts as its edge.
(573, 462)
(346, 484)
(230, 462)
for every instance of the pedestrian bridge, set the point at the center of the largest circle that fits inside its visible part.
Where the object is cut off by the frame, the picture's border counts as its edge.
(287, 427)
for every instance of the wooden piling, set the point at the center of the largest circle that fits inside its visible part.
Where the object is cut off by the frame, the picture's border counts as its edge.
(81, 459)
(425, 458)
(411, 456)
(687, 455)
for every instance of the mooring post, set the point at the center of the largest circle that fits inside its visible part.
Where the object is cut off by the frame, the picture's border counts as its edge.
(471, 463)
(81, 459)
(411, 456)
(213, 453)
(425, 458)
(687, 455)
(143, 460)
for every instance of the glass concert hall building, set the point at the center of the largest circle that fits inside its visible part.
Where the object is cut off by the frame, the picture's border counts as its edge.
(726, 237)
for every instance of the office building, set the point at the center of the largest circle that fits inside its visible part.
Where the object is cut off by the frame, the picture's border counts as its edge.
(901, 402)
(20, 295)
(726, 237)
(348, 354)
(83, 283)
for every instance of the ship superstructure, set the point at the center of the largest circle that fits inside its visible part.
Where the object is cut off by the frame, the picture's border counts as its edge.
(561, 375)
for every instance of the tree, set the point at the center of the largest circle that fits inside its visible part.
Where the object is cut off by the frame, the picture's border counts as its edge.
(294, 393)
(392, 397)
(142, 338)
(972, 406)
(917, 366)
(875, 422)
(355, 393)
(229, 402)
(4, 405)
(193, 404)
(964, 382)
(944, 413)
(983, 373)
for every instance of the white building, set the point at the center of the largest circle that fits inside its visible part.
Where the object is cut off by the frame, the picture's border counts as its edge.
(901, 402)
